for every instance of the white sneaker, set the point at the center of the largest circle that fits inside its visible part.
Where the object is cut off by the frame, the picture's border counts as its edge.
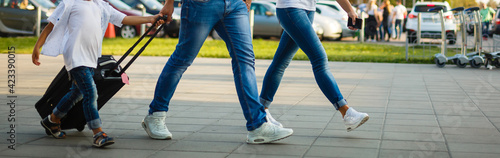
(353, 119)
(268, 133)
(271, 119)
(154, 124)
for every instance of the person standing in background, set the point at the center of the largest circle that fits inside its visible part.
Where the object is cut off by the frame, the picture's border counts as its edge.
(372, 21)
(487, 14)
(386, 13)
(399, 14)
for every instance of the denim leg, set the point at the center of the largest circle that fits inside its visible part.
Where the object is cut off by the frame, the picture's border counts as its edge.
(485, 26)
(284, 54)
(234, 29)
(197, 20)
(83, 76)
(297, 24)
(68, 101)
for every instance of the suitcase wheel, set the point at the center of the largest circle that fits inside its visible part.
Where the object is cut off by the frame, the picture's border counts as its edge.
(81, 128)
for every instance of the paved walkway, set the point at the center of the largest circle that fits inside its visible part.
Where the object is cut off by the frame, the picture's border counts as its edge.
(415, 111)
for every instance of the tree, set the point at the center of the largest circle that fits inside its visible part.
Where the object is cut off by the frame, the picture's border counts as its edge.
(492, 4)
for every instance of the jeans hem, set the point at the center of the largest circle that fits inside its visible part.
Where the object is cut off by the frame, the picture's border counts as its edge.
(58, 113)
(340, 103)
(265, 102)
(94, 124)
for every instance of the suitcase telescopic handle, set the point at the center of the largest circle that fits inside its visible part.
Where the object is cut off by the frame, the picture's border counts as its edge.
(143, 47)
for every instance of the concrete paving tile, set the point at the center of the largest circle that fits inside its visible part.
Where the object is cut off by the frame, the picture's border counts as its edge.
(389, 153)
(434, 137)
(304, 124)
(466, 124)
(216, 137)
(471, 138)
(347, 142)
(412, 129)
(276, 148)
(255, 155)
(410, 111)
(200, 146)
(308, 132)
(468, 131)
(163, 154)
(365, 127)
(411, 117)
(411, 122)
(321, 151)
(414, 145)
(471, 147)
(79, 150)
(353, 134)
(225, 129)
(471, 154)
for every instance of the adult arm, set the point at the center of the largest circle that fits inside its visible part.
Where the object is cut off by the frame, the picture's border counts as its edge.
(168, 9)
(39, 43)
(136, 20)
(346, 5)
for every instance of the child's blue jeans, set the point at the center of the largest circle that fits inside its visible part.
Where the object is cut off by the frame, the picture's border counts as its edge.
(82, 87)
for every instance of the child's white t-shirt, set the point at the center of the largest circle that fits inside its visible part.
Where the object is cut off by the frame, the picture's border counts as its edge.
(309, 5)
(83, 46)
(84, 31)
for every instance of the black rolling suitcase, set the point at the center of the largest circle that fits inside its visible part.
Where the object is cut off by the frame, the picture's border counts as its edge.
(107, 77)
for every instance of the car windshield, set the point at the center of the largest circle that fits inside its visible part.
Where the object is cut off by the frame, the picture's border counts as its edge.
(45, 3)
(153, 4)
(425, 8)
(120, 5)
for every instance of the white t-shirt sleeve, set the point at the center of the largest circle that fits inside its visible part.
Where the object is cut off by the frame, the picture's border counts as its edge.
(58, 12)
(116, 17)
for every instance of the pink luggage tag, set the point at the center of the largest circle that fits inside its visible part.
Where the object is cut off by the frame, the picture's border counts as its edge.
(125, 78)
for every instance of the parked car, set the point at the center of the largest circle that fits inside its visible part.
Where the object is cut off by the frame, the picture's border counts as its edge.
(333, 9)
(127, 31)
(265, 21)
(153, 7)
(495, 28)
(341, 19)
(20, 19)
(330, 27)
(431, 22)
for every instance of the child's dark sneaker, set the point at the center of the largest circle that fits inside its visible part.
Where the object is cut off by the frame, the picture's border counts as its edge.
(53, 129)
(101, 139)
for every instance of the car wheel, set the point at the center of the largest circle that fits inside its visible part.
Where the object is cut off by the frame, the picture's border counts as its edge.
(340, 38)
(412, 37)
(128, 31)
(173, 35)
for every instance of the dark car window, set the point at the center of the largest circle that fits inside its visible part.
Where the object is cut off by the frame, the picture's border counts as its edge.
(258, 9)
(425, 8)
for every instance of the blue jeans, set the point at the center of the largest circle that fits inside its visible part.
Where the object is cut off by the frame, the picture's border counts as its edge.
(397, 25)
(300, 33)
(230, 19)
(486, 26)
(82, 87)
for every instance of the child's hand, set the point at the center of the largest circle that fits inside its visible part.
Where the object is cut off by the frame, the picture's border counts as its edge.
(153, 19)
(35, 56)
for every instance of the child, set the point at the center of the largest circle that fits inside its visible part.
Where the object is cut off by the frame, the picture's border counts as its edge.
(76, 30)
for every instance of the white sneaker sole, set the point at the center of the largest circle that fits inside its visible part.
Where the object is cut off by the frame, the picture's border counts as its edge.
(264, 141)
(358, 124)
(145, 126)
